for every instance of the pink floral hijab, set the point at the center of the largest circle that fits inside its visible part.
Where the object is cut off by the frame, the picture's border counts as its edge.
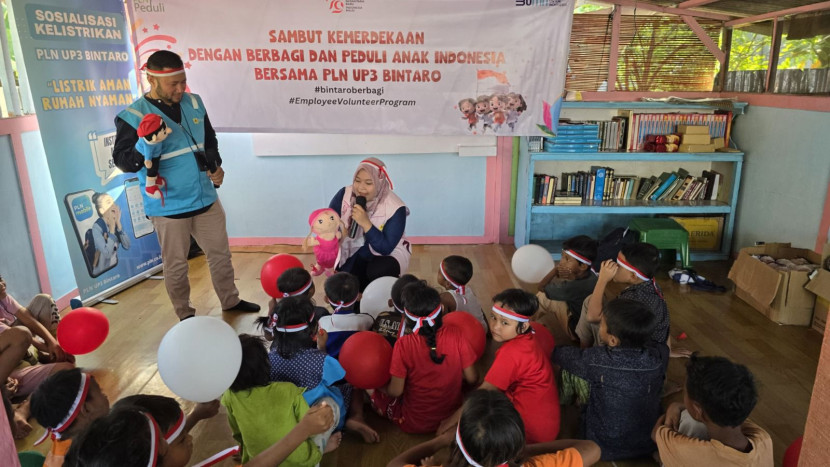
(377, 171)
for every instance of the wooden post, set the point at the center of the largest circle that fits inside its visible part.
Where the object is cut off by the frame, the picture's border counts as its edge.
(614, 53)
(774, 49)
(724, 67)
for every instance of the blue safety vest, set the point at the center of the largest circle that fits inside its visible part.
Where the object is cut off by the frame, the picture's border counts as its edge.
(188, 189)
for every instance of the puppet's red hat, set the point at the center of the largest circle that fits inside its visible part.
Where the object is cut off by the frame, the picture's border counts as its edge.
(149, 125)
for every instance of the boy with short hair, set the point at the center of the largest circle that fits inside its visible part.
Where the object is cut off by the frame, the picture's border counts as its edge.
(636, 265)
(562, 292)
(392, 324)
(625, 377)
(719, 396)
(455, 273)
(342, 292)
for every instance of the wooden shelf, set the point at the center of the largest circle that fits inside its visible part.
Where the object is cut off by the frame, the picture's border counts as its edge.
(550, 225)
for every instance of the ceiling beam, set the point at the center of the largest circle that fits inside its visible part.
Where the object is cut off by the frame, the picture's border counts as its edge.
(672, 10)
(694, 3)
(776, 14)
(707, 41)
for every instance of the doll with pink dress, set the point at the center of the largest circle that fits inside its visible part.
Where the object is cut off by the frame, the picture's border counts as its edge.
(326, 232)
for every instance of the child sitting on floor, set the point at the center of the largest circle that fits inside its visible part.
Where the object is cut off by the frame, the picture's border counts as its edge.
(710, 427)
(455, 273)
(521, 369)
(636, 264)
(428, 366)
(491, 433)
(65, 404)
(342, 292)
(563, 290)
(295, 359)
(130, 437)
(392, 324)
(261, 412)
(625, 377)
(291, 283)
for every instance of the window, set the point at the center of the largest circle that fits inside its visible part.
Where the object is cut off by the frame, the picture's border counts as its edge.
(656, 53)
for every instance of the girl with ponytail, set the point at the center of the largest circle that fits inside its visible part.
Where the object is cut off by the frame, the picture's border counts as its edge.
(428, 366)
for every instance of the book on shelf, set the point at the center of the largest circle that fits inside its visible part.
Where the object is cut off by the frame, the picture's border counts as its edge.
(645, 186)
(643, 124)
(660, 182)
(712, 189)
(678, 195)
(664, 186)
(567, 197)
(680, 177)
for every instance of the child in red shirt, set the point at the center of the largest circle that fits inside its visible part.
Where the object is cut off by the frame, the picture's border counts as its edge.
(427, 366)
(521, 369)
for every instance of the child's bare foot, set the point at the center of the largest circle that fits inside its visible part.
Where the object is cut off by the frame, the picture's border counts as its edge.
(358, 425)
(334, 441)
(21, 427)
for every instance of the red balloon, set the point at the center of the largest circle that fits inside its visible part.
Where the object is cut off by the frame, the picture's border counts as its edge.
(366, 357)
(543, 337)
(471, 329)
(83, 330)
(793, 453)
(273, 268)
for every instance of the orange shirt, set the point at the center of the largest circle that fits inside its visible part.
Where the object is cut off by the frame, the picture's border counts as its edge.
(55, 456)
(565, 458)
(679, 450)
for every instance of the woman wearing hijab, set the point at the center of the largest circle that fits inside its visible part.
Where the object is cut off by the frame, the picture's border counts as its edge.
(376, 245)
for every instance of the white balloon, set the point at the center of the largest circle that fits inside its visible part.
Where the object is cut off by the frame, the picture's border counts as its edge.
(531, 263)
(376, 296)
(199, 358)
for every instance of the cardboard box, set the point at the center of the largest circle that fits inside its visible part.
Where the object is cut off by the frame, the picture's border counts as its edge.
(820, 285)
(695, 139)
(696, 148)
(704, 232)
(693, 129)
(718, 143)
(778, 295)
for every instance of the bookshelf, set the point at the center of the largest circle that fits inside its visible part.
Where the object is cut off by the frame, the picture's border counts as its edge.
(549, 225)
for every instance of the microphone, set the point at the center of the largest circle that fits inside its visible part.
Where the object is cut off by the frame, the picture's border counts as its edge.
(358, 201)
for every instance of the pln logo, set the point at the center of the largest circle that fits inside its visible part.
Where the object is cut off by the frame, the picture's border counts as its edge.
(336, 6)
(81, 208)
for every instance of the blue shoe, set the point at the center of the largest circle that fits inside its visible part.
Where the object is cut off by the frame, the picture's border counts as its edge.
(75, 303)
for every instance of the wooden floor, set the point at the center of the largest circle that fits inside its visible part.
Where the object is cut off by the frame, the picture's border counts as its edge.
(783, 358)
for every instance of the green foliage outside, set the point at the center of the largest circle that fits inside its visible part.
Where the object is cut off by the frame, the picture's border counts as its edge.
(750, 51)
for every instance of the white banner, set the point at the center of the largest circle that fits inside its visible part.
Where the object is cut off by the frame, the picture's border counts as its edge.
(420, 67)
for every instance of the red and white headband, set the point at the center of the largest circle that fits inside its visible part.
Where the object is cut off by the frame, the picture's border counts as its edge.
(460, 289)
(74, 410)
(340, 305)
(419, 320)
(578, 257)
(292, 328)
(162, 73)
(176, 429)
(218, 457)
(155, 440)
(631, 268)
(381, 169)
(301, 291)
(510, 314)
(463, 450)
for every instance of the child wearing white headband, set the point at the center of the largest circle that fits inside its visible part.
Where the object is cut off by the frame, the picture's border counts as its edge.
(491, 433)
(563, 291)
(635, 266)
(342, 294)
(428, 366)
(521, 369)
(454, 274)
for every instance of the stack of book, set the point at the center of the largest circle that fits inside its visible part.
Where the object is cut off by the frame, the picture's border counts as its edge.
(574, 137)
(544, 187)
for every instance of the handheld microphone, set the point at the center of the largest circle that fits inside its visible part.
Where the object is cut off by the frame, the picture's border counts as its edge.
(358, 201)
